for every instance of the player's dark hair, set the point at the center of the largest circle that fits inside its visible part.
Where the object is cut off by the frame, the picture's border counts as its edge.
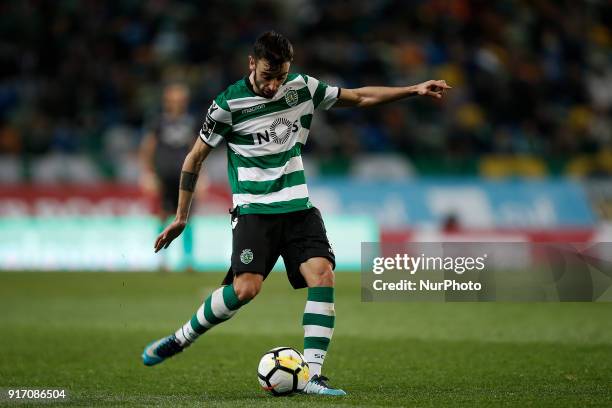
(274, 48)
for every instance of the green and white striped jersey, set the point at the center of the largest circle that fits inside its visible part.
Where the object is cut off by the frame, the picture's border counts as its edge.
(265, 139)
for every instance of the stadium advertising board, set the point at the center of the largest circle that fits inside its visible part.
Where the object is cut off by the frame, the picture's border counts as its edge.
(475, 203)
(125, 243)
(423, 202)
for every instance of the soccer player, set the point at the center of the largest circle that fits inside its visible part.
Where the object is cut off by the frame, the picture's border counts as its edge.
(265, 119)
(162, 151)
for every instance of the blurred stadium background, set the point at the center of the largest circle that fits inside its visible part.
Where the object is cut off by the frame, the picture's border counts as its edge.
(522, 146)
(519, 150)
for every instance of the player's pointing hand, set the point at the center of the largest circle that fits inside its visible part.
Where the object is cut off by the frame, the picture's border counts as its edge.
(433, 88)
(168, 235)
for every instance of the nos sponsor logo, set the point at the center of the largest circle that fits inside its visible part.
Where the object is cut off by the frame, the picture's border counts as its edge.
(279, 131)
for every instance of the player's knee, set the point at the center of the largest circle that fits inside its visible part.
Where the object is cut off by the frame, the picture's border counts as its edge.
(247, 287)
(246, 292)
(327, 276)
(323, 275)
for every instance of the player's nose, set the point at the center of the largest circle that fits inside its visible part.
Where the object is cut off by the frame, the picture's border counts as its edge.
(274, 85)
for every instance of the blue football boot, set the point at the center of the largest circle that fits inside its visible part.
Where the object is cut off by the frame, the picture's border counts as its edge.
(160, 350)
(318, 385)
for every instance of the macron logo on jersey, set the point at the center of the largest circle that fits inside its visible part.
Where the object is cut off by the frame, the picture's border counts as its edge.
(253, 108)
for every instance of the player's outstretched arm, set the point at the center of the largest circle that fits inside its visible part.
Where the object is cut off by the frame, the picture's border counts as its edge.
(189, 177)
(376, 95)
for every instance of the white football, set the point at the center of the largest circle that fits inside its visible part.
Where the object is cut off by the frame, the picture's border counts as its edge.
(282, 371)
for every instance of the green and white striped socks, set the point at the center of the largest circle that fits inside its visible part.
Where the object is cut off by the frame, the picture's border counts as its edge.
(318, 322)
(218, 307)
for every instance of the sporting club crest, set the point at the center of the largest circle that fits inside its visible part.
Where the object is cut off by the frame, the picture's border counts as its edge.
(246, 256)
(291, 97)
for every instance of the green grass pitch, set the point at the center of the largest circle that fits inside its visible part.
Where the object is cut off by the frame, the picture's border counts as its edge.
(84, 332)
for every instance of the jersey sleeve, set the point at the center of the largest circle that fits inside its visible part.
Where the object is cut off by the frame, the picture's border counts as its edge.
(217, 124)
(323, 96)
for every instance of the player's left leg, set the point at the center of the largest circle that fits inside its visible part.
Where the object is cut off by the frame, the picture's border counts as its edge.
(318, 321)
(254, 253)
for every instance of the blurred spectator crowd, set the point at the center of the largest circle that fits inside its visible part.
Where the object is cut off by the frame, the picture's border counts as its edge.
(79, 80)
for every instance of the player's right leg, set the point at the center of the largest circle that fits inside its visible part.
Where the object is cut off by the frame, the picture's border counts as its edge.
(254, 253)
(310, 263)
(218, 307)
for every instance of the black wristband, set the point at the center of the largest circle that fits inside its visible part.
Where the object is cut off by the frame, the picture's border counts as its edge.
(188, 181)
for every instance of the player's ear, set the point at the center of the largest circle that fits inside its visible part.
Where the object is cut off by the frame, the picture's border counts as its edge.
(252, 63)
